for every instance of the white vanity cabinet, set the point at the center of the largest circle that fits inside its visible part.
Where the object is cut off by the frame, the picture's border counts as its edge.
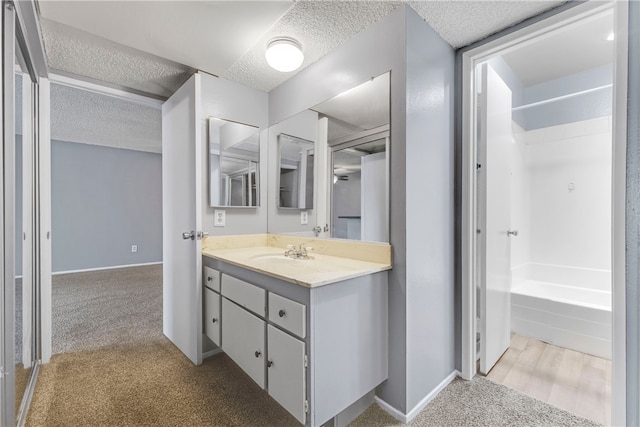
(212, 315)
(286, 371)
(318, 351)
(243, 339)
(211, 312)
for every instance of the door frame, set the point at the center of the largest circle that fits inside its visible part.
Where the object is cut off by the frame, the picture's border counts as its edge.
(493, 48)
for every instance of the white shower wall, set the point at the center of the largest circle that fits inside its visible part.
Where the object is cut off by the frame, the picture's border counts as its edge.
(561, 204)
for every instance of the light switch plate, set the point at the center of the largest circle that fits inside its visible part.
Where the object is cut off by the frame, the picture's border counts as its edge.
(304, 218)
(219, 218)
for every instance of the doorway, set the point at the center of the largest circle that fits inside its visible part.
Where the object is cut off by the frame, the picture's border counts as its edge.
(538, 169)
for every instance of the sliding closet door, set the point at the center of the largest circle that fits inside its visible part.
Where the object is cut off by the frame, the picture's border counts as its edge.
(7, 209)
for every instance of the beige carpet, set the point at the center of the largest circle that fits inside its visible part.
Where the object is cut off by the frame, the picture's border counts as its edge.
(97, 309)
(150, 384)
(153, 384)
(131, 377)
(480, 402)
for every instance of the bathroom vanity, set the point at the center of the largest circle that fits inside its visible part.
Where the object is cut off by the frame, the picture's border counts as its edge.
(312, 333)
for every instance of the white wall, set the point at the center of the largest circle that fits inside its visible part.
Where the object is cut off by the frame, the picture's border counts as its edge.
(559, 226)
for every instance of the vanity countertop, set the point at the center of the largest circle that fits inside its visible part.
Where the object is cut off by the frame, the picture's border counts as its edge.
(319, 271)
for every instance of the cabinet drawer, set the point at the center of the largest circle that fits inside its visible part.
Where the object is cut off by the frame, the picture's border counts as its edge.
(212, 315)
(244, 294)
(211, 278)
(288, 314)
(243, 339)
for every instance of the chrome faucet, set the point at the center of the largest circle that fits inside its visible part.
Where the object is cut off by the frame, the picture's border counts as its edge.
(298, 252)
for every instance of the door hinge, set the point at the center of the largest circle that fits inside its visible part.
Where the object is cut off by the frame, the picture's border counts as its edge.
(2, 373)
(306, 361)
(306, 406)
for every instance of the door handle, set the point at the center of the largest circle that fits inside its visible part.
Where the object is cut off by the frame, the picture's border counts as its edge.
(512, 232)
(189, 235)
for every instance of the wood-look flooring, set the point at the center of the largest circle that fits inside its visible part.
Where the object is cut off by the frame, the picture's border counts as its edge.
(574, 381)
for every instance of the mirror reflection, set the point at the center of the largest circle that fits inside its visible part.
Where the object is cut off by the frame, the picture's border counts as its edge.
(348, 138)
(360, 190)
(295, 172)
(358, 140)
(234, 164)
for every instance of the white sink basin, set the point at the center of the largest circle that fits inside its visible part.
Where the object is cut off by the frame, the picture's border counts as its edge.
(275, 258)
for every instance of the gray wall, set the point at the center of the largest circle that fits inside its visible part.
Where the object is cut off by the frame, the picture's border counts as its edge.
(422, 331)
(103, 201)
(570, 110)
(228, 100)
(633, 219)
(430, 302)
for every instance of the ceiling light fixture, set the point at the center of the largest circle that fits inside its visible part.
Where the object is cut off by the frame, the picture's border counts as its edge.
(611, 36)
(284, 54)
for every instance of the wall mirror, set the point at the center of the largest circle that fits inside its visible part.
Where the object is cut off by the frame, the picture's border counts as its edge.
(358, 140)
(296, 162)
(351, 153)
(234, 164)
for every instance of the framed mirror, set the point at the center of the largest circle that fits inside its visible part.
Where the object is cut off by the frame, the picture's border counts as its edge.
(234, 164)
(296, 157)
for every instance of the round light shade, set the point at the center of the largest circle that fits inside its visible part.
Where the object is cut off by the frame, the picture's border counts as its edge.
(284, 54)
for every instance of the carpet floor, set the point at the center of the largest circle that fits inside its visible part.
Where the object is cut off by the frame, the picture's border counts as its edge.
(115, 368)
(153, 384)
(101, 308)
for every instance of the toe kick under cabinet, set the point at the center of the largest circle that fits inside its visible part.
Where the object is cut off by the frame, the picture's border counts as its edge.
(316, 350)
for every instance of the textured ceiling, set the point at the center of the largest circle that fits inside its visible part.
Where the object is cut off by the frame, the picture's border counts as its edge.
(207, 35)
(78, 52)
(319, 26)
(91, 118)
(109, 50)
(154, 46)
(462, 22)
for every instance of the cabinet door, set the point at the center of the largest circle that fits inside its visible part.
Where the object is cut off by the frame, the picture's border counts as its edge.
(243, 340)
(212, 315)
(286, 370)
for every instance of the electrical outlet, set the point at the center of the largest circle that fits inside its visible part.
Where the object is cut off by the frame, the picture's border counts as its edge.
(134, 248)
(219, 218)
(304, 217)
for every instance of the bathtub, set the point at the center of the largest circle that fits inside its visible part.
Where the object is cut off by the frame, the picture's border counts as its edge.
(562, 315)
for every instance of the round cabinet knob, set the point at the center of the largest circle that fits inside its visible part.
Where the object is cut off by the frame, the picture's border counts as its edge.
(269, 363)
(209, 279)
(214, 320)
(282, 313)
(257, 353)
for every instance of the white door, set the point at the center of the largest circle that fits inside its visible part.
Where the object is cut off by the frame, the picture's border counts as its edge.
(243, 340)
(494, 177)
(286, 371)
(182, 219)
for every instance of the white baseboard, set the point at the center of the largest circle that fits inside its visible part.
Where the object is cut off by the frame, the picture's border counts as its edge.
(406, 418)
(211, 353)
(55, 273)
